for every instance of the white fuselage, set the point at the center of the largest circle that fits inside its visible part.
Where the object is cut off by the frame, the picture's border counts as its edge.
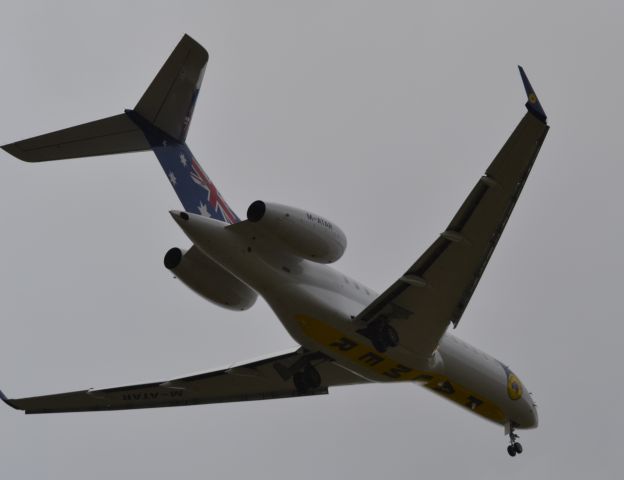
(317, 305)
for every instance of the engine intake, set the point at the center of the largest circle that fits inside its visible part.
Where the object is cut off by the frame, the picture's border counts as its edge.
(256, 211)
(173, 258)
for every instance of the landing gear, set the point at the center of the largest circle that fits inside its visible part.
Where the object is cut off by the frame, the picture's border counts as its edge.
(382, 335)
(390, 336)
(307, 379)
(514, 447)
(379, 345)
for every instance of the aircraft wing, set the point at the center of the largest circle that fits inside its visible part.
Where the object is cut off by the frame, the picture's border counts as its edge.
(435, 290)
(253, 381)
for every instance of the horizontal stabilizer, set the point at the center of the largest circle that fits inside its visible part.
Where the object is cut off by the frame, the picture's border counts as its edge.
(117, 134)
(6, 400)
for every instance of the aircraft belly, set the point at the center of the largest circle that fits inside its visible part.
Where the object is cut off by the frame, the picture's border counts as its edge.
(318, 314)
(477, 384)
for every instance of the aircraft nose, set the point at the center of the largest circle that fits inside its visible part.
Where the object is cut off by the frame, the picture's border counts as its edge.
(533, 418)
(523, 411)
(527, 416)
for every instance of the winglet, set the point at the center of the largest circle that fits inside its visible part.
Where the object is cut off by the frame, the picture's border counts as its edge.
(7, 401)
(533, 104)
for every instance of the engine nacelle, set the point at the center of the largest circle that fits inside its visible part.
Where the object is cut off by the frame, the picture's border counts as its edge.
(209, 279)
(304, 234)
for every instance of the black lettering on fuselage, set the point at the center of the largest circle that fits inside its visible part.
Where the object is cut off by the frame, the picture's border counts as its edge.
(473, 402)
(344, 344)
(445, 387)
(319, 220)
(397, 372)
(371, 359)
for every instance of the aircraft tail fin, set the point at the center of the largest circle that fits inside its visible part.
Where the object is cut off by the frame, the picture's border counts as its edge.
(167, 106)
(159, 122)
(168, 102)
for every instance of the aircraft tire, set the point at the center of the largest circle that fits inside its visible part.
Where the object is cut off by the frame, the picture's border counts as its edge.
(379, 344)
(517, 448)
(511, 451)
(390, 336)
(300, 382)
(312, 377)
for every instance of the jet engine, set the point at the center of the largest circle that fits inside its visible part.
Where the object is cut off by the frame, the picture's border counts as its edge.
(304, 234)
(209, 279)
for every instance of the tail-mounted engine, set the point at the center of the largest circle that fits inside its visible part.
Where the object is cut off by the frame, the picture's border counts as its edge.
(209, 279)
(303, 233)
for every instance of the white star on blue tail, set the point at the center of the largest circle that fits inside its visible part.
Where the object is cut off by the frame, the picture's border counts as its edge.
(203, 209)
(183, 159)
(172, 178)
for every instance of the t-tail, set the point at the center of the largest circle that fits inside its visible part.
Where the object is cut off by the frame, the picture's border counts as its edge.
(159, 122)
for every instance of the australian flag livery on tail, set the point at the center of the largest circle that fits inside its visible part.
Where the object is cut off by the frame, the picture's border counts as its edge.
(194, 188)
(165, 121)
(159, 122)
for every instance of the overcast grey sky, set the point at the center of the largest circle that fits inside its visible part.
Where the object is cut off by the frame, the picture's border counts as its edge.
(378, 115)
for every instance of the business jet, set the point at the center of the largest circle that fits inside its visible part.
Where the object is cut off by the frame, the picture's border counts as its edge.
(346, 333)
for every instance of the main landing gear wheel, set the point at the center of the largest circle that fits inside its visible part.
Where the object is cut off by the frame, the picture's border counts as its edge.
(390, 336)
(307, 379)
(384, 336)
(379, 345)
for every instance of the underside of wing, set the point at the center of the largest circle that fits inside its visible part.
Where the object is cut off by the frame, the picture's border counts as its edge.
(260, 380)
(117, 134)
(435, 290)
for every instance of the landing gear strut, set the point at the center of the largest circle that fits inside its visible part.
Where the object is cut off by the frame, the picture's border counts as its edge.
(382, 335)
(514, 447)
(307, 379)
(302, 371)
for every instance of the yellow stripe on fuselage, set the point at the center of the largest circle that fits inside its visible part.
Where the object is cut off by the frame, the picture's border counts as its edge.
(362, 355)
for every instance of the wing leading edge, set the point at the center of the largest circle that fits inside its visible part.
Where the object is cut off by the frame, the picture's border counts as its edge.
(435, 290)
(258, 380)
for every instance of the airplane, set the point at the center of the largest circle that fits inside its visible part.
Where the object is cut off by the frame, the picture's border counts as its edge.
(346, 333)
